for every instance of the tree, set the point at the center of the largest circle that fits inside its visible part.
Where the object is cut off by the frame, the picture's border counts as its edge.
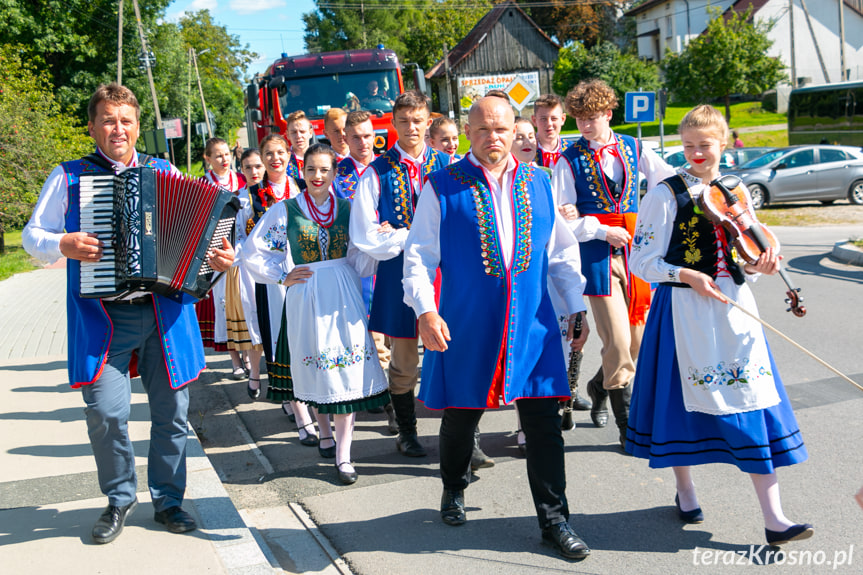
(623, 72)
(34, 135)
(585, 22)
(75, 41)
(416, 31)
(222, 62)
(447, 21)
(338, 25)
(730, 57)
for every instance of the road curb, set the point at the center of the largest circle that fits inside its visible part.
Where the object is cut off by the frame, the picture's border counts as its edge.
(848, 253)
(238, 549)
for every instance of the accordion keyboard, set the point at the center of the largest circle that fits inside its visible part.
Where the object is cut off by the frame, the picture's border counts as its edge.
(97, 216)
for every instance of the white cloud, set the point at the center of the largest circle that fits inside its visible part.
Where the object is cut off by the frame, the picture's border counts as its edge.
(210, 5)
(251, 6)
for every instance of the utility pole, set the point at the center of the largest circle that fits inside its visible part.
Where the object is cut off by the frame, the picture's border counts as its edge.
(201, 90)
(189, 117)
(453, 109)
(791, 37)
(120, 47)
(149, 69)
(363, 20)
(815, 41)
(842, 76)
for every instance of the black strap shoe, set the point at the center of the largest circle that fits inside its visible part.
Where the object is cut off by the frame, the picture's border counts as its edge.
(347, 477)
(452, 507)
(176, 520)
(566, 541)
(110, 523)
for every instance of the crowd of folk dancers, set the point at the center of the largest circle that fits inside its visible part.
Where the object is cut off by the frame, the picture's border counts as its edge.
(345, 262)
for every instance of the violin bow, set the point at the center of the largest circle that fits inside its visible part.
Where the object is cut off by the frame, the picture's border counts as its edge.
(792, 342)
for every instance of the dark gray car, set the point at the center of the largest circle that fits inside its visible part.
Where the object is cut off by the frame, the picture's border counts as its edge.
(823, 173)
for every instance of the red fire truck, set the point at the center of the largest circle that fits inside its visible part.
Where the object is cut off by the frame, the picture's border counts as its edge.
(314, 83)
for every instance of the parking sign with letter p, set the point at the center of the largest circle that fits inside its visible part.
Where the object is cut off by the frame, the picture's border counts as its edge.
(640, 107)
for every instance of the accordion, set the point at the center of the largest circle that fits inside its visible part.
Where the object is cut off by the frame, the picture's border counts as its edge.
(156, 228)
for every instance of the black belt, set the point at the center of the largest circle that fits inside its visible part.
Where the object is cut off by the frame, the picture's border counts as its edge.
(140, 300)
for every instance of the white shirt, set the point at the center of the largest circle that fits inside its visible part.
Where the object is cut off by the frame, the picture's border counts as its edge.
(229, 181)
(588, 228)
(422, 252)
(364, 212)
(42, 234)
(267, 252)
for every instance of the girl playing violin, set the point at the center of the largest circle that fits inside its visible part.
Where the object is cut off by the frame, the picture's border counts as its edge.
(707, 389)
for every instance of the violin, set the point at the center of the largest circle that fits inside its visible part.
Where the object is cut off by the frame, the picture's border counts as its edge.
(727, 203)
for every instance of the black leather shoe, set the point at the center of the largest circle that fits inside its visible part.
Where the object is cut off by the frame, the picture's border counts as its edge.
(327, 452)
(346, 477)
(110, 523)
(478, 458)
(566, 422)
(691, 516)
(176, 520)
(452, 507)
(409, 444)
(392, 425)
(580, 403)
(793, 533)
(254, 393)
(599, 396)
(566, 541)
(311, 438)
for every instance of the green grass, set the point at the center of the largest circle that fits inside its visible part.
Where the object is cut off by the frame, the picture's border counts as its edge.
(15, 259)
(743, 114)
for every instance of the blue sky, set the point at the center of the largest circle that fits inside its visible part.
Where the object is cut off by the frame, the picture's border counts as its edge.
(269, 27)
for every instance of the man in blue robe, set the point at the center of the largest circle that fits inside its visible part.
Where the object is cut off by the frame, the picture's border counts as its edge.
(108, 335)
(490, 224)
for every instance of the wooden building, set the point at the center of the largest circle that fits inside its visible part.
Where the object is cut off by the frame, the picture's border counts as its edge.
(504, 44)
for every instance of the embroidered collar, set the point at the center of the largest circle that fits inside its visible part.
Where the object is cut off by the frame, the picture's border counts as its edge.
(474, 175)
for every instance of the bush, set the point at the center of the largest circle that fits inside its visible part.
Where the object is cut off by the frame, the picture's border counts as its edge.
(623, 72)
(34, 136)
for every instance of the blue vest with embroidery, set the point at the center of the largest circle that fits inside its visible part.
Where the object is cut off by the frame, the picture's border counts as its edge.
(389, 314)
(347, 179)
(89, 328)
(493, 311)
(594, 196)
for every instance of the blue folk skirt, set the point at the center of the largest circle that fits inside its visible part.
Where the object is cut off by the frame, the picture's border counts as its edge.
(663, 432)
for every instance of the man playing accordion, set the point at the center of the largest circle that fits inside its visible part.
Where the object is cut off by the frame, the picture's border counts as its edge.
(108, 335)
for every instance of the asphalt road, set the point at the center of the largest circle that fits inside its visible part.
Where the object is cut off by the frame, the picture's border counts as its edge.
(387, 522)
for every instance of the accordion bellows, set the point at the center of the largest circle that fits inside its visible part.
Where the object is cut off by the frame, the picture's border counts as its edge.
(156, 228)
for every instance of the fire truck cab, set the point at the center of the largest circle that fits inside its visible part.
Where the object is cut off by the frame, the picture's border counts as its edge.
(314, 83)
